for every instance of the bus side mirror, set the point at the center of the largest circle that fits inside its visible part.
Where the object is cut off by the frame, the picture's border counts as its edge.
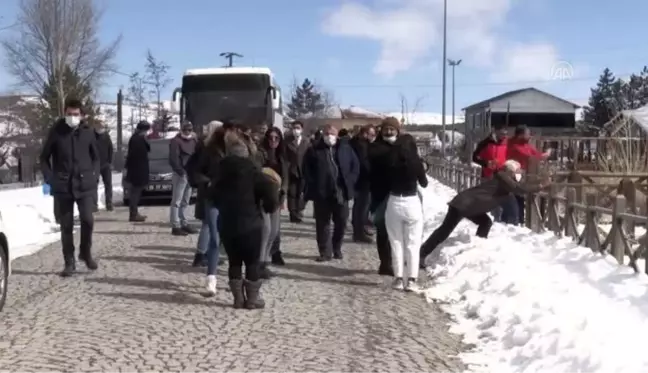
(176, 93)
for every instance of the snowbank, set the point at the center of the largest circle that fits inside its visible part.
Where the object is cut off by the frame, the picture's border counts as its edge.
(537, 303)
(28, 217)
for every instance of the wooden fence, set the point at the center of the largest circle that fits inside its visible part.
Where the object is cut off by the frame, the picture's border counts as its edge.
(562, 211)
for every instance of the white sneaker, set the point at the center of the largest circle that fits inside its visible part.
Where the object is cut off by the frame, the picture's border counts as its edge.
(398, 284)
(412, 286)
(211, 285)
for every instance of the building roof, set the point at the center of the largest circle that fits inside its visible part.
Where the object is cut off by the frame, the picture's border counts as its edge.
(514, 93)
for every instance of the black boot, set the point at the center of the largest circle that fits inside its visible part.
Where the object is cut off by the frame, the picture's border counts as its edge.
(236, 287)
(253, 295)
(277, 259)
(69, 270)
(90, 263)
(199, 260)
(265, 272)
(386, 270)
(179, 232)
(109, 207)
(137, 218)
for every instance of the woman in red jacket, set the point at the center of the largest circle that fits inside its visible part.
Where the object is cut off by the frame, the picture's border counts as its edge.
(520, 150)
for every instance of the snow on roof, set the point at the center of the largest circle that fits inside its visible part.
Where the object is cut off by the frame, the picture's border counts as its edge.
(425, 118)
(229, 70)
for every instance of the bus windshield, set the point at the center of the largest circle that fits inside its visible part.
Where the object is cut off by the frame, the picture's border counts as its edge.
(226, 96)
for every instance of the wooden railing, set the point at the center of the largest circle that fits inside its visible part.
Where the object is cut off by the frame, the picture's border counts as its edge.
(560, 210)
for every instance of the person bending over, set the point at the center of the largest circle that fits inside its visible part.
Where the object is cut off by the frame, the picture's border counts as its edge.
(475, 203)
(241, 192)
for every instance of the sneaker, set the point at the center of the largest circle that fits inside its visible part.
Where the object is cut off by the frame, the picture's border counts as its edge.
(398, 284)
(211, 285)
(412, 286)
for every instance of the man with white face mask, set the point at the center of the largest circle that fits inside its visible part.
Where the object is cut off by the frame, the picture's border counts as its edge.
(331, 171)
(181, 147)
(296, 147)
(70, 165)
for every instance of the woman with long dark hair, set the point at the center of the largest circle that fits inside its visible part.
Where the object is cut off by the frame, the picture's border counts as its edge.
(272, 156)
(404, 211)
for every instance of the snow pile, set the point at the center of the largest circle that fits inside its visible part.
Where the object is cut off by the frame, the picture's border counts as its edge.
(28, 217)
(459, 138)
(537, 303)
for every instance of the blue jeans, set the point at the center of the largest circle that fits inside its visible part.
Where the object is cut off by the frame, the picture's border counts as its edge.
(510, 211)
(179, 200)
(208, 240)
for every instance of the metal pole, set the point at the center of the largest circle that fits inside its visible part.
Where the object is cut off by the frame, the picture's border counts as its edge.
(443, 96)
(452, 141)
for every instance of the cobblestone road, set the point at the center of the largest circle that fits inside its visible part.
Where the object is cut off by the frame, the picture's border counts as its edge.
(142, 311)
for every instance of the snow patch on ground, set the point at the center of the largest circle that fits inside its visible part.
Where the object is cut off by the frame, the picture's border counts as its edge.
(534, 302)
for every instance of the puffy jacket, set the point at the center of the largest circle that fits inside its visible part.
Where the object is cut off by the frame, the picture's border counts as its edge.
(520, 150)
(493, 156)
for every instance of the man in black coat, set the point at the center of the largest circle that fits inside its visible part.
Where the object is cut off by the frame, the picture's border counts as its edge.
(70, 165)
(331, 170)
(137, 168)
(296, 147)
(360, 218)
(380, 179)
(475, 203)
(106, 155)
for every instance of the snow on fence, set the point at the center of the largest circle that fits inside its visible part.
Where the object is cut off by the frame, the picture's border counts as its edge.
(560, 210)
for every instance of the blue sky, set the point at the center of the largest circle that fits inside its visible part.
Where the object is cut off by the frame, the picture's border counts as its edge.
(367, 53)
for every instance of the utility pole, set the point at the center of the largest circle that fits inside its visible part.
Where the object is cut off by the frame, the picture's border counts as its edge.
(229, 56)
(453, 64)
(120, 135)
(443, 96)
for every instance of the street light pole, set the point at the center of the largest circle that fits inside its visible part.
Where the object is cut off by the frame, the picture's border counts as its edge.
(453, 64)
(443, 96)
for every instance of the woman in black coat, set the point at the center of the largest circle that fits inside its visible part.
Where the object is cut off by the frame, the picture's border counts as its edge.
(242, 192)
(137, 168)
(475, 203)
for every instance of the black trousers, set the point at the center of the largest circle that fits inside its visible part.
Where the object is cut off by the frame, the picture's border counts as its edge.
(521, 204)
(383, 246)
(242, 248)
(450, 222)
(106, 178)
(295, 199)
(360, 217)
(65, 211)
(134, 198)
(325, 212)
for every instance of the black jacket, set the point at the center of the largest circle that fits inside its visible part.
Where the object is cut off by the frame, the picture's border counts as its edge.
(295, 156)
(318, 178)
(486, 196)
(106, 149)
(206, 170)
(70, 160)
(137, 162)
(361, 148)
(241, 192)
(380, 163)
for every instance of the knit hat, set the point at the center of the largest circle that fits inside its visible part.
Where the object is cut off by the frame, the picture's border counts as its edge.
(272, 175)
(143, 126)
(391, 122)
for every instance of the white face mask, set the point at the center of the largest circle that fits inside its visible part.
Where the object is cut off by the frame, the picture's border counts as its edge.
(518, 177)
(330, 139)
(390, 139)
(72, 120)
(297, 132)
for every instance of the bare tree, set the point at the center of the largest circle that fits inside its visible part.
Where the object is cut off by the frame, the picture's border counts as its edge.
(157, 74)
(53, 35)
(136, 93)
(407, 111)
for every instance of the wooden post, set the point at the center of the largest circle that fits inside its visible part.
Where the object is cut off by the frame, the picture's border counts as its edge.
(570, 214)
(531, 174)
(617, 246)
(591, 237)
(553, 221)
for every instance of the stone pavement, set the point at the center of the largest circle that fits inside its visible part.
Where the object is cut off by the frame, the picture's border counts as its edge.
(142, 311)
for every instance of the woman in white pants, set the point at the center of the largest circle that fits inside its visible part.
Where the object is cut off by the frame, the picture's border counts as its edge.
(404, 212)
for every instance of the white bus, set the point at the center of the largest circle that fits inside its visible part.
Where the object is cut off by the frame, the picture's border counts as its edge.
(249, 95)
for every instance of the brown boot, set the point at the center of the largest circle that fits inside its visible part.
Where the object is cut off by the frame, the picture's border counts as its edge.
(253, 295)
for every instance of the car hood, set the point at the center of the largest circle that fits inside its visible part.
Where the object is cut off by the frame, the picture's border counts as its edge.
(160, 166)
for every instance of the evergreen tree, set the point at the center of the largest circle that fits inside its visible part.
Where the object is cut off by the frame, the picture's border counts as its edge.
(601, 106)
(306, 101)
